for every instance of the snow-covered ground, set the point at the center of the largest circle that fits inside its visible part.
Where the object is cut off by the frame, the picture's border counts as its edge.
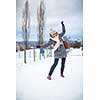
(32, 84)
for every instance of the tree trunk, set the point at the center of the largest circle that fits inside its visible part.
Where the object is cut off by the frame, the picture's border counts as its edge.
(25, 52)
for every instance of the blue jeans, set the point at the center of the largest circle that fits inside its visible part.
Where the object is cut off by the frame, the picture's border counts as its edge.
(55, 64)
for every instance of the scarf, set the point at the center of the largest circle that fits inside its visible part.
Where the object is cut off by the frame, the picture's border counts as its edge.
(58, 42)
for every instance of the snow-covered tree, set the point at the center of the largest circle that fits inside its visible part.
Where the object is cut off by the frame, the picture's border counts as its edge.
(41, 21)
(25, 27)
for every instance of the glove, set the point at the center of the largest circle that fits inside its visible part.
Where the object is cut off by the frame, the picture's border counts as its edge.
(62, 22)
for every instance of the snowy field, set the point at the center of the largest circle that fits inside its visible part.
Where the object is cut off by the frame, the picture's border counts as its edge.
(32, 84)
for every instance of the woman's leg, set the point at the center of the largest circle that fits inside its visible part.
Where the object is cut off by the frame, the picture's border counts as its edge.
(63, 65)
(53, 66)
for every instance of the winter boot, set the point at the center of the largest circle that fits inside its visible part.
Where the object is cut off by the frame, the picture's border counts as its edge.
(61, 75)
(49, 77)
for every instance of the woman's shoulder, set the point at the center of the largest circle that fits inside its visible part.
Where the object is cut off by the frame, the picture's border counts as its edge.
(60, 35)
(52, 41)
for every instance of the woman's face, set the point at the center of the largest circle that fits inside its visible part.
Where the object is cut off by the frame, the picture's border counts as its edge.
(54, 34)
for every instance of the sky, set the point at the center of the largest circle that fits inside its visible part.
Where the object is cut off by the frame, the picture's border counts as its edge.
(70, 11)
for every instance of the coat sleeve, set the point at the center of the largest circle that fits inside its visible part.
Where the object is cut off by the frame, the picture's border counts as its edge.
(63, 30)
(47, 44)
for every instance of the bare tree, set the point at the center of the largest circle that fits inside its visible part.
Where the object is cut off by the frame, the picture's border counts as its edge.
(25, 27)
(41, 21)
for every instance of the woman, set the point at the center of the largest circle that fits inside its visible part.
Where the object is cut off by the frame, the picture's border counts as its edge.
(59, 50)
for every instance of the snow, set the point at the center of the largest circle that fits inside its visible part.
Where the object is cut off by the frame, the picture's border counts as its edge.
(32, 84)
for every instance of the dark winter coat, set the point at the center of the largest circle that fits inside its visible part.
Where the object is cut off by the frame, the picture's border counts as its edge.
(60, 52)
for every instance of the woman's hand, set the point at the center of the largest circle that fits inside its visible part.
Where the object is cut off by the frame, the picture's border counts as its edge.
(62, 22)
